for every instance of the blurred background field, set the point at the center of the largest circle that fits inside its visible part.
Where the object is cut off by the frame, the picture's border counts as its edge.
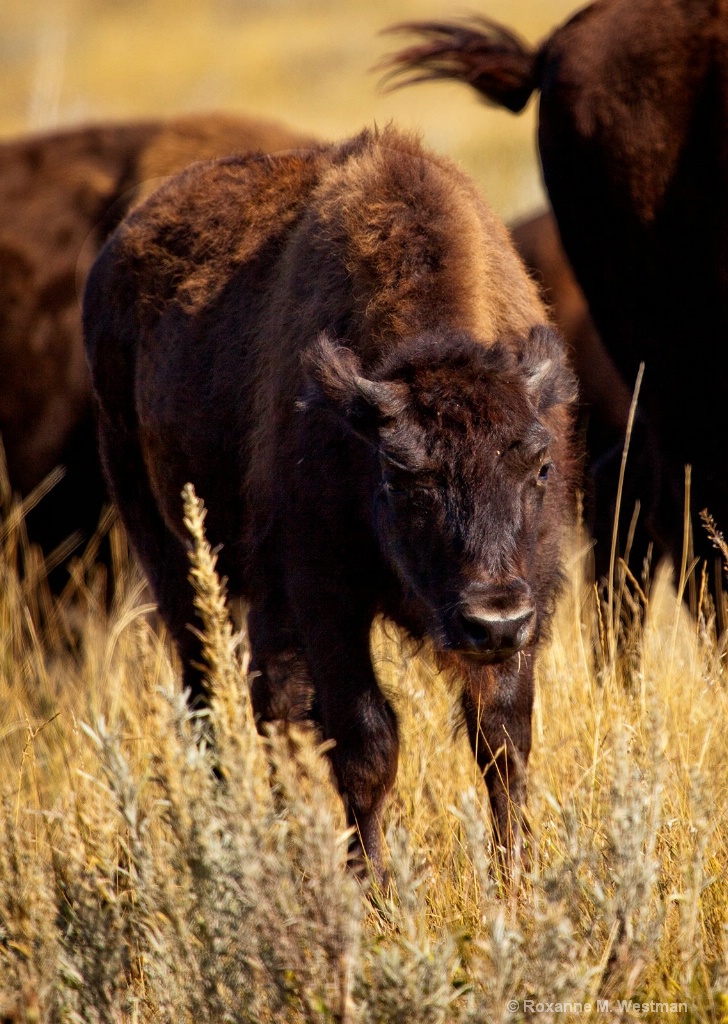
(305, 62)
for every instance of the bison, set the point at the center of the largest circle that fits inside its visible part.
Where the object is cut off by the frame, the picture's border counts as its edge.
(634, 98)
(342, 351)
(60, 196)
(602, 393)
(604, 397)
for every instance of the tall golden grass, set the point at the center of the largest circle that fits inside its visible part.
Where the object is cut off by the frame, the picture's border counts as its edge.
(149, 875)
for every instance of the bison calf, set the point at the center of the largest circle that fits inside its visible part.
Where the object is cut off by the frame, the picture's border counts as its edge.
(341, 350)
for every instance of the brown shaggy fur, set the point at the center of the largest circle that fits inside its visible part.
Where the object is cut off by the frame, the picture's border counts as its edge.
(341, 350)
(60, 196)
(633, 107)
(602, 392)
(604, 397)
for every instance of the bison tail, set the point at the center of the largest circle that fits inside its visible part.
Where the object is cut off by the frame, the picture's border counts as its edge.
(494, 61)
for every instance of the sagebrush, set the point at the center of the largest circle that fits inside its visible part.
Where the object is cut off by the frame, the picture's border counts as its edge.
(160, 864)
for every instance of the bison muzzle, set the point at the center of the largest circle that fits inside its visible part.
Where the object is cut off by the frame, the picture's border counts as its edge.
(341, 350)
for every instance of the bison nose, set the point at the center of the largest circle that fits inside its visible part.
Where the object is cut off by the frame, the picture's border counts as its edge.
(495, 622)
(496, 637)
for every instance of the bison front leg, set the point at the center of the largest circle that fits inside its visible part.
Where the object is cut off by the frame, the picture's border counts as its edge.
(497, 702)
(350, 707)
(281, 688)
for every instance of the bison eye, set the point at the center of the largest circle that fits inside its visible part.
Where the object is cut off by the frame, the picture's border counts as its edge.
(544, 471)
(394, 488)
(399, 488)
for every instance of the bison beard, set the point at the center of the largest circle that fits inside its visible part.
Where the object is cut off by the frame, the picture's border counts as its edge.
(340, 349)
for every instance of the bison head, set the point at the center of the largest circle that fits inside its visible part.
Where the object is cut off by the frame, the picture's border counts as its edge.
(466, 442)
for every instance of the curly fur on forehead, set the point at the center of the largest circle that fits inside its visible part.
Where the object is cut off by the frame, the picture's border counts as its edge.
(460, 396)
(452, 378)
(443, 353)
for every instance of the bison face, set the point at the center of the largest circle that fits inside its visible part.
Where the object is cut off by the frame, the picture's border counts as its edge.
(464, 455)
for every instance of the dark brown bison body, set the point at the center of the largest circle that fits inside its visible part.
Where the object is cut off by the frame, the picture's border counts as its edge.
(604, 397)
(341, 351)
(602, 392)
(634, 102)
(60, 196)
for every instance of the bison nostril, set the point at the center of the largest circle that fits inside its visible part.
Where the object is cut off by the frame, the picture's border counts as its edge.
(484, 634)
(476, 630)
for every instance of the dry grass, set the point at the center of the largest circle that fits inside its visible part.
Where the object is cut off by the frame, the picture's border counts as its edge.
(146, 875)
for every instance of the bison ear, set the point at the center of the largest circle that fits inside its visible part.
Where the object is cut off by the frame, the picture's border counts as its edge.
(549, 378)
(334, 381)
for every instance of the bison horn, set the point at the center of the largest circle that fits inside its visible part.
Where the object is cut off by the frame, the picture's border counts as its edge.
(549, 379)
(387, 398)
(335, 382)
